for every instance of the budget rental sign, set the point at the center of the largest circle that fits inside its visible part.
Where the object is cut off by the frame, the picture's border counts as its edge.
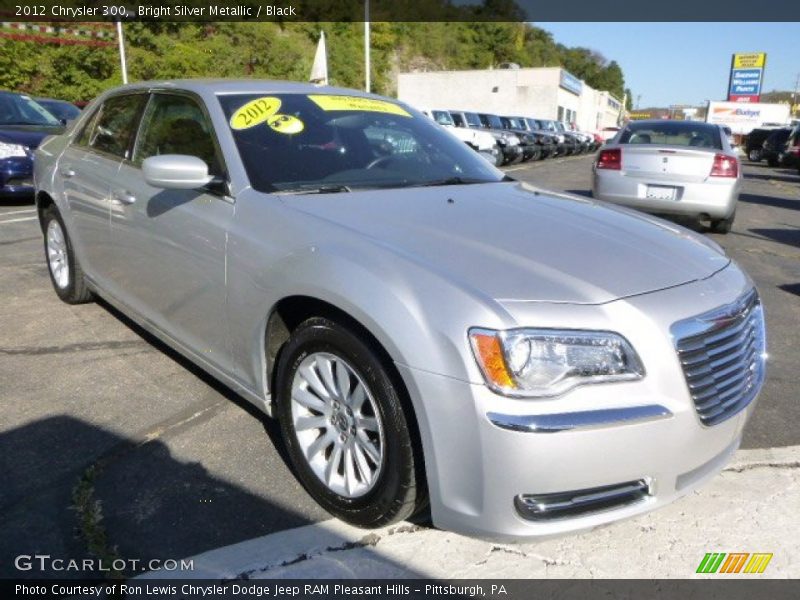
(747, 73)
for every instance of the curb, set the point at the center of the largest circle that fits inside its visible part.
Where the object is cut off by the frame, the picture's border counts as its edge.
(749, 507)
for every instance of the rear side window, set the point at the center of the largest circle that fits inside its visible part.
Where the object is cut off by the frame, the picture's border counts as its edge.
(692, 134)
(111, 129)
(174, 124)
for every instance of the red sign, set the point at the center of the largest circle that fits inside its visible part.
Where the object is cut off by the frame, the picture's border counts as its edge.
(745, 98)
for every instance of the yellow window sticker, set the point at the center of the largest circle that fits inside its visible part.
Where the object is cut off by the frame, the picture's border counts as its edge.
(328, 102)
(285, 124)
(255, 112)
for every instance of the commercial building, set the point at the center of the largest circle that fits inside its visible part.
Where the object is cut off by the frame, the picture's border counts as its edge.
(545, 93)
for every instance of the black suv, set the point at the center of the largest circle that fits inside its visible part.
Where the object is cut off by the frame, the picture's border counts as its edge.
(774, 146)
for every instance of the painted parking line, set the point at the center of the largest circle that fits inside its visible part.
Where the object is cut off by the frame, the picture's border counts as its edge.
(17, 212)
(18, 220)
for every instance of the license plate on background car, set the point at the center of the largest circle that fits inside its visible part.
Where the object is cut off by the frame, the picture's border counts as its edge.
(660, 192)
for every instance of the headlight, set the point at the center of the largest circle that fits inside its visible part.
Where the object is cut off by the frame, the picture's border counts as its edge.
(548, 362)
(9, 150)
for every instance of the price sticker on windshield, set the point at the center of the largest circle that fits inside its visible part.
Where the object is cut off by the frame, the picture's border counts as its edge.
(328, 102)
(255, 112)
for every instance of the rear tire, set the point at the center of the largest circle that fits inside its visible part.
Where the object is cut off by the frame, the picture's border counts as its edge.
(755, 155)
(65, 270)
(345, 428)
(723, 225)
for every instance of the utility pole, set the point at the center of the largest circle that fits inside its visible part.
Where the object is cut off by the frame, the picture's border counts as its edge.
(795, 99)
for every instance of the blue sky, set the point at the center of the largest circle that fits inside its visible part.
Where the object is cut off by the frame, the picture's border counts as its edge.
(686, 63)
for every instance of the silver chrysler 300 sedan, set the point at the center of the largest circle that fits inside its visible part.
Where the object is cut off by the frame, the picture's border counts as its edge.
(426, 330)
(671, 167)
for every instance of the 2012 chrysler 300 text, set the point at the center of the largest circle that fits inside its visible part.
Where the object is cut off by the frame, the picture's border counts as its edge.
(425, 329)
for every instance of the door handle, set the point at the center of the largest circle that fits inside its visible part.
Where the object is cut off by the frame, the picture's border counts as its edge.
(123, 197)
(67, 172)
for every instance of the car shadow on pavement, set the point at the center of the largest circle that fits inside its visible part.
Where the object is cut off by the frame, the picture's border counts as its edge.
(16, 201)
(792, 288)
(786, 176)
(586, 193)
(73, 490)
(790, 237)
(787, 203)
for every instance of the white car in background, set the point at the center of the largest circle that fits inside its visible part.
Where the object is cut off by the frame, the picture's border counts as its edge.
(482, 142)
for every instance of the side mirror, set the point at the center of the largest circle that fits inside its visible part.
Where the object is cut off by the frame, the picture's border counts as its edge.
(176, 171)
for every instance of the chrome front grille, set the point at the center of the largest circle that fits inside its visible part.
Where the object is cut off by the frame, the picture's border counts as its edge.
(722, 354)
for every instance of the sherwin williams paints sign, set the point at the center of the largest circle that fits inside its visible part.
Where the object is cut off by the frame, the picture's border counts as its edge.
(747, 74)
(569, 82)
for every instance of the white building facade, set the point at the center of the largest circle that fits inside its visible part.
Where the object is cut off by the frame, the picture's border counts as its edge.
(545, 93)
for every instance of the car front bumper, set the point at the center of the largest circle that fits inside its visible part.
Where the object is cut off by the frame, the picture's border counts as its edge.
(16, 177)
(484, 452)
(713, 198)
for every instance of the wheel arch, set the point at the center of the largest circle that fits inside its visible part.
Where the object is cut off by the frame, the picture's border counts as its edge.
(289, 312)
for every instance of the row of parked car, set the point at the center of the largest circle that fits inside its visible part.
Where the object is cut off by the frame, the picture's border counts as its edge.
(780, 146)
(505, 140)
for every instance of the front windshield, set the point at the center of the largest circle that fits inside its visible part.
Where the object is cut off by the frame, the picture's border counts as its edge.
(295, 143)
(16, 109)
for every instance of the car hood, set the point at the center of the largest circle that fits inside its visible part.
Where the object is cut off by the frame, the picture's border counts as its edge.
(514, 242)
(27, 135)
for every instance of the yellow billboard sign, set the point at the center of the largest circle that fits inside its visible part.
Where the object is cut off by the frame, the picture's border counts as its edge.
(749, 60)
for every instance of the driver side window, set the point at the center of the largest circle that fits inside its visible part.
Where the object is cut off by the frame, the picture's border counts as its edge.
(175, 124)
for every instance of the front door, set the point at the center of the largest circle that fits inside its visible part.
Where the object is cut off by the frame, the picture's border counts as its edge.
(170, 245)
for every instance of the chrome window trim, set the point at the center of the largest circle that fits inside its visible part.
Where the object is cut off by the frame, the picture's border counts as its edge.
(582, 420)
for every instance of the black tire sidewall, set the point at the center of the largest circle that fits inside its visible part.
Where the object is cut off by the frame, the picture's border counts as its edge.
(67, 293)
(387, 497)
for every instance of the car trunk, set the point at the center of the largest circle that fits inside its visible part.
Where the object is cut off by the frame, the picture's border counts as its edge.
(685, 165)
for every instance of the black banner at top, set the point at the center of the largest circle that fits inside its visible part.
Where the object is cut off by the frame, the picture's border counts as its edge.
(399, 10)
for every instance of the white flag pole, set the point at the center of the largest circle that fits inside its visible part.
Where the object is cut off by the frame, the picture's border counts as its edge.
(121, 41)
(367, 67)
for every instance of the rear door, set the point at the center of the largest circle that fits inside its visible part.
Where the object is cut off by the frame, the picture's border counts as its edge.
(170, 245)
(88, 169)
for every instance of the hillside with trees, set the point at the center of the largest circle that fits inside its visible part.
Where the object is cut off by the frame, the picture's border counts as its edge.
(285, 51)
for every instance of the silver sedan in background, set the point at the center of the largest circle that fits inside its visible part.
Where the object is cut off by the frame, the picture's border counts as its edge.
(671, 167)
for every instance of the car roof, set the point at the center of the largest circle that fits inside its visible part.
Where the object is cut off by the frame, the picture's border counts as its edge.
(241, 86)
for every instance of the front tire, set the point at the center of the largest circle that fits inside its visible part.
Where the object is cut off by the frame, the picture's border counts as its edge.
(344, 426)
(755, 155)
(65, 270)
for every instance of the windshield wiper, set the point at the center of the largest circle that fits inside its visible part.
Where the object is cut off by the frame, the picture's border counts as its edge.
(315, 189)
(449, 181)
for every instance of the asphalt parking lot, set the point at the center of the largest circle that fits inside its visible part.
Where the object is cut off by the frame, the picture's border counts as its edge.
(111, 445)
